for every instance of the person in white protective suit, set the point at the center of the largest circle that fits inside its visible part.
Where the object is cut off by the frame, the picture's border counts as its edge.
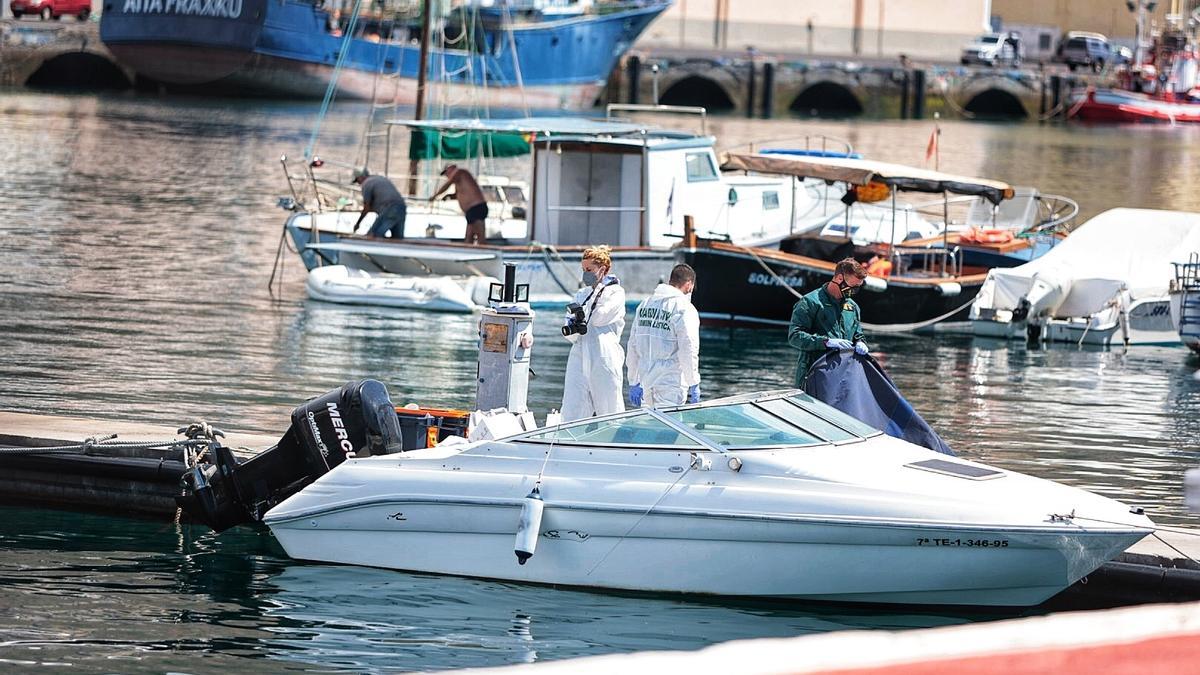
(664, 345)
(594, 323)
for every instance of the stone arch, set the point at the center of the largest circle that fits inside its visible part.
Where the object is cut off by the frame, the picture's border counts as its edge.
(698, 90)
(78, 70)
(996, 104)
(826, 99)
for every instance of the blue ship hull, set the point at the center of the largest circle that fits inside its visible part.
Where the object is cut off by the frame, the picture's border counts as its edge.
(287, 48)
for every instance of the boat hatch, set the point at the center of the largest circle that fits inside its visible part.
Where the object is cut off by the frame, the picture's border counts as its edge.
(786, 420)
(956, 469)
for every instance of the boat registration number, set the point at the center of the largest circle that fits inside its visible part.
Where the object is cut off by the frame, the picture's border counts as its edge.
(968, 543)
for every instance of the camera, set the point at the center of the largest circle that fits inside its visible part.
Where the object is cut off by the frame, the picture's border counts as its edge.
(577, 323)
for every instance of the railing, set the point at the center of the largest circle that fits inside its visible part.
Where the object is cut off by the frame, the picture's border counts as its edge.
(810, 141)
(658, 108)
(1187, 283)
(931, 261)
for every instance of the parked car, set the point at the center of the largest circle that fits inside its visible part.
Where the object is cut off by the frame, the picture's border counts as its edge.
(992, 48)
(51, 9)
(1090, 50)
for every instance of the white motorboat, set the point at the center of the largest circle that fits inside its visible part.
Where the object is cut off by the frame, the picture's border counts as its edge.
(338, 283)
(767, 495)
(611, 182)
(1105, 284)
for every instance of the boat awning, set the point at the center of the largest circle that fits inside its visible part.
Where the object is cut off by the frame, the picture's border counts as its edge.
(468, 138)
(382, 250)
(861, 172)
(543, 126)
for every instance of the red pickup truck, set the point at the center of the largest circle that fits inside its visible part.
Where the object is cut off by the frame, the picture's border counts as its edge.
(51, 9)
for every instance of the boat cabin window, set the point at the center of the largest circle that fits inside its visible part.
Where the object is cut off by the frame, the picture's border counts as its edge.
(700, 167)
(638, 430)
(515, 195)
(491, 193)
(834, 415)
(744, 425)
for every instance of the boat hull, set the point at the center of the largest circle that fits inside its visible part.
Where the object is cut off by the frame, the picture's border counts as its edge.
(1186, 320)
(289, 48)
(551, 273)
(742, 291)
(694, 554)
(1122, 107)
(1149, 323)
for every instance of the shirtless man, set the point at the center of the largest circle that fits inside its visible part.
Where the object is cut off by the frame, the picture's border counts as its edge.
(470, 200)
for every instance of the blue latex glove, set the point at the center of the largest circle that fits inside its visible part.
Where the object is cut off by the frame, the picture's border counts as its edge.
(860, 348)
(838, 344)
(635, 395)
(693, 394)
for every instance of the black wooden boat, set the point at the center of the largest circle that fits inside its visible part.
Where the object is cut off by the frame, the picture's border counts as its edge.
(745, 286)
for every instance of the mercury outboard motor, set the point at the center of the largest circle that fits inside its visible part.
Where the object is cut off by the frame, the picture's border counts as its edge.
(357, 420)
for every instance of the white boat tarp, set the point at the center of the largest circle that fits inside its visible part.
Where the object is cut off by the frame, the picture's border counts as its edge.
(1119, 251)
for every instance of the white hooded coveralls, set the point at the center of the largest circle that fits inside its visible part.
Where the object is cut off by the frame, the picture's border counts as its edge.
(664, 347)
(594, 380)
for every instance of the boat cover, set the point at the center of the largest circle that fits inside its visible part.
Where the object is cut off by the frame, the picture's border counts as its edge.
(857, 386)
(1119, 251)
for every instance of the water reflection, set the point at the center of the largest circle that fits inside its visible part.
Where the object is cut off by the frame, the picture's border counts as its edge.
(138, 236)
(371, 620)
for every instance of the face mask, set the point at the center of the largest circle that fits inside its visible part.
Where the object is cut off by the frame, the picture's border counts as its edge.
(590, 278)
(847, 290)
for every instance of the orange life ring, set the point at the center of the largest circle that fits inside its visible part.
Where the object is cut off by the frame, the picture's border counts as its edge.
(996, 236)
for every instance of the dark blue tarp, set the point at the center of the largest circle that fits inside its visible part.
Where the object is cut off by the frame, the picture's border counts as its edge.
(857, 386)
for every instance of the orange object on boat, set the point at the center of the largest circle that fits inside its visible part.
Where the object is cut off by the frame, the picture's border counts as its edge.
(980, 236)
(880, 268)
(872, 192)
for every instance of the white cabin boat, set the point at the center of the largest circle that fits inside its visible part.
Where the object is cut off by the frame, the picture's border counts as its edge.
(594, 182)
(765, 495)
(1105, 284)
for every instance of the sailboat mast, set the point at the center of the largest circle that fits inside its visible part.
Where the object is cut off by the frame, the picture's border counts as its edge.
(422, 68)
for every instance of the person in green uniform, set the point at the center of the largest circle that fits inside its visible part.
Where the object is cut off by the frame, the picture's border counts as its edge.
(827, 319)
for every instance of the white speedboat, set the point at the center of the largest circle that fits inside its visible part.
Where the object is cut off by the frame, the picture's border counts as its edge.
(766, 495)
(1105, 284)
(338, 283)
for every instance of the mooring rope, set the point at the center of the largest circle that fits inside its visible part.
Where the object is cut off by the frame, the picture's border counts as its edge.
(200, 436)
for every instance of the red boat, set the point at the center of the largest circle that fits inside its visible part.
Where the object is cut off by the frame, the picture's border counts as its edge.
(1115, 105)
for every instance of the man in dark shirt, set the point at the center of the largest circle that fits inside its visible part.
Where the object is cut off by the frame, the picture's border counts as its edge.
(382, 197)
(827, 318)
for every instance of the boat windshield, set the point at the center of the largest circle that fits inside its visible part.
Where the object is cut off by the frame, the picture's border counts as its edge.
(744, 425)
(785, 420)
(639, 429)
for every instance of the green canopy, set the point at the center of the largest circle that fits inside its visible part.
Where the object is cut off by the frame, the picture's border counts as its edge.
(432, 144)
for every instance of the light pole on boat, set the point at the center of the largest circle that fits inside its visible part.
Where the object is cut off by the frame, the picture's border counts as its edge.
(419, 114)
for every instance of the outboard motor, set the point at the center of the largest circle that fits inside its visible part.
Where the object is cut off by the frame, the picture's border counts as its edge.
(356, 420)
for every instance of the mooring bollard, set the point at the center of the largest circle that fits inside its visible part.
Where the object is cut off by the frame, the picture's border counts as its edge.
(768, 95)
(633, 67)
(918, 95)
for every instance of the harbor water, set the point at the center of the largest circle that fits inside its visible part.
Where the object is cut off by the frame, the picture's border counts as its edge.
(138, 234)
